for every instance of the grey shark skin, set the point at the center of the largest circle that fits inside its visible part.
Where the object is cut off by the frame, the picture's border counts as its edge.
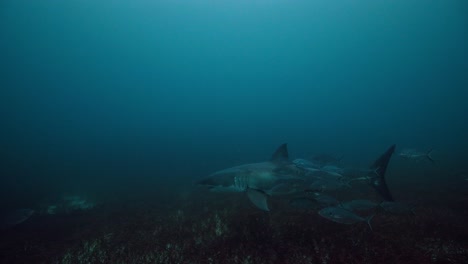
(343, 216)
(258, 180)
(281, 176)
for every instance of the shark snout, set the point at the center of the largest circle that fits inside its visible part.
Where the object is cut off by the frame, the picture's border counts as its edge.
(206, 181)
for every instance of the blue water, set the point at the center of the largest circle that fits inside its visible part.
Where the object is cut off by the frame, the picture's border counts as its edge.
(134, 89)
(104, 96)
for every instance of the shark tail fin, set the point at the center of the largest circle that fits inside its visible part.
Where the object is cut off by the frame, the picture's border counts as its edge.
(377, 174)
(429, 156)
(368, 221)
(346, 182)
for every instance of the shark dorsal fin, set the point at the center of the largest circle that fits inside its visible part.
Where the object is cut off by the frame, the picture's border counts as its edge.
(281, 154)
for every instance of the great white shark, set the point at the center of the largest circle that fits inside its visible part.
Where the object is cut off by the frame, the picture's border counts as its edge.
(273, 177)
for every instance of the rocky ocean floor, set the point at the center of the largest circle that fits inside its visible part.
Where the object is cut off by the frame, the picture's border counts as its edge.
(203, 227)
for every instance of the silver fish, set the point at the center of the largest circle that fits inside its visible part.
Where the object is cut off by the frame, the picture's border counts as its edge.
(325, 200)
(343, 216)
(413, 154)
(327, 185)
(359, 205)
(15, 218)
(303, 203)
(397, 208)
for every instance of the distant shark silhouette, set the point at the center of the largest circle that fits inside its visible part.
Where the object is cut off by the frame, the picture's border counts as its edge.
(259, 180)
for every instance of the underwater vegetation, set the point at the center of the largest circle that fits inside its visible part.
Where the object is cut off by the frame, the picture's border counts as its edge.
(200, 229)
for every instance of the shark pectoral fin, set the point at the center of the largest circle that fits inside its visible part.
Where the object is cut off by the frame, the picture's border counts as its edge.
(258, 198)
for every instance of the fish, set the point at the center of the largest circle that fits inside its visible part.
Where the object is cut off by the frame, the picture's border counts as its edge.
(280, 176)
(69, 204)
(327, 200)
(257, 180)
(16, 217)
(375, 175)
(333, 169)
(52, 209)
(413, 154)
(323, 199)
(327, 185)
(397, 208)
(306, 164)
(75, 203)
(319, 169)
(303, 203)
(343, 216)
(460, 175)
(359, 205)
(326, 159)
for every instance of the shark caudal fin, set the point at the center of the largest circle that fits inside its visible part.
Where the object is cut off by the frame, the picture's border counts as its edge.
(368, 219)
(429, 156)
(377, 174)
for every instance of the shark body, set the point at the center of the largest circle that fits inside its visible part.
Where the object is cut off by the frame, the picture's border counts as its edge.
(281, 176)
(258, 180)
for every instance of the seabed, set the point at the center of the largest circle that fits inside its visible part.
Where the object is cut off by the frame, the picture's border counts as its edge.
(203, 227)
